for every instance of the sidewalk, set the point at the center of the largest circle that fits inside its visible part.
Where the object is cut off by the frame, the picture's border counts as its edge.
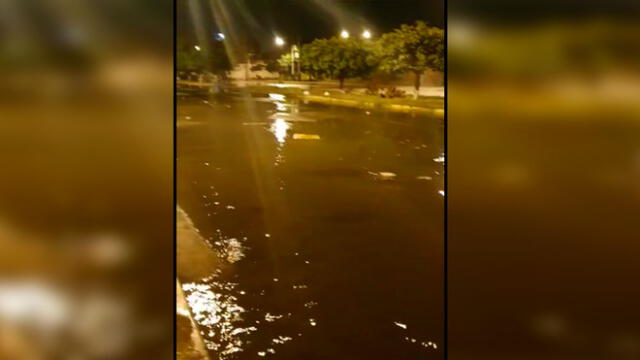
(189, 343)
(355, 87)
(194, 261)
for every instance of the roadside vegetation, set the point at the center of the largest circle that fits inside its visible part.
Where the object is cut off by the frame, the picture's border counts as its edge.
(409, 49)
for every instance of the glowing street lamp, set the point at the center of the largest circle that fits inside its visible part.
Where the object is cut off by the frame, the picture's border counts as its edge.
(220, 36)
(366, 34)
(279, 41)
(344, 34)
(196, 47)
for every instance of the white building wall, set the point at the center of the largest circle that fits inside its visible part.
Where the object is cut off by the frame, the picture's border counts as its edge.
(240, 72)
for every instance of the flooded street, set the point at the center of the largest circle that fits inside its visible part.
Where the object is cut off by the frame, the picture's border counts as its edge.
(323, 228)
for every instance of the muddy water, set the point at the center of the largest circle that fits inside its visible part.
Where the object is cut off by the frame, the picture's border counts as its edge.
(327, 224)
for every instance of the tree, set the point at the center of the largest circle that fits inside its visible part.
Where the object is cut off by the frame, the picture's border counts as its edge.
(412, 48)
(190, 59)
(336, 58)
(284, 64)
(218, 60)
(213, 59)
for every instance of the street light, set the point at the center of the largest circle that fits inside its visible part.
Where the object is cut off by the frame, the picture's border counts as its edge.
(220, 36)
(344, 34)
(279, 41)
(366, 34)
(196, 47)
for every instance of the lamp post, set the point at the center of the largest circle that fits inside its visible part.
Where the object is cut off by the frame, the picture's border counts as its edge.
(294, 53)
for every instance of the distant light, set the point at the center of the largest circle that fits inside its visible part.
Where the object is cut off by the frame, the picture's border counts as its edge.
(279, 41)
(196, 47)
(344, 34)
(366, 34)
(220, 36)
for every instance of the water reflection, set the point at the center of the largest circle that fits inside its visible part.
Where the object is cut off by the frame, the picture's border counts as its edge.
(279, 128)
(218, 316)
(281, 107)
(276, 97)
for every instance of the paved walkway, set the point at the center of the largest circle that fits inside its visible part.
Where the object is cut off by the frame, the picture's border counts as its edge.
(193, 259)
(431, 91)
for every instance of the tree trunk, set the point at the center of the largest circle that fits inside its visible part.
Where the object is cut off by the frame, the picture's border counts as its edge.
(416, 83)
(341, 83)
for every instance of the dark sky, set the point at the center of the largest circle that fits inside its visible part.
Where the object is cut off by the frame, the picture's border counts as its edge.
(301, 20)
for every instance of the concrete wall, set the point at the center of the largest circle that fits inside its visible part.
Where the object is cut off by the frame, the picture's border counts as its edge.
(240, 72)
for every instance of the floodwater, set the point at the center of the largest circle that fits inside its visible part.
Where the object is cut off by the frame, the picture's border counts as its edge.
(326, 225)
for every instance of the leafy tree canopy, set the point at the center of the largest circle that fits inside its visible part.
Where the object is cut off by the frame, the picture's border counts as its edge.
(412, 48)
(213, 59)
(337, 58)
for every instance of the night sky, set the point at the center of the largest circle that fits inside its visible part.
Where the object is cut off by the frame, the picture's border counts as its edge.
(256, 22)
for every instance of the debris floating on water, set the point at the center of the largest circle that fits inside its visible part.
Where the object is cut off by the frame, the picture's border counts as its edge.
(404, 326)
(383, 175)
(306, 137)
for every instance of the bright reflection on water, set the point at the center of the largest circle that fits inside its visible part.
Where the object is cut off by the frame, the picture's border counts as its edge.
(218, 316)
(281, 107)
(279, 129)
(277, 97)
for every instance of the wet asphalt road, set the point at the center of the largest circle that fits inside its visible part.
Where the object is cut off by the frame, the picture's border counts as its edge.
(327, 224)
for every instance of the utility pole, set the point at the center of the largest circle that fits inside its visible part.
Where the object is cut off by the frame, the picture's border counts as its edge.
(295, 55)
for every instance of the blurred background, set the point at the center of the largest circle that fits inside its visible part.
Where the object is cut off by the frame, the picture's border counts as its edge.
(543, 179)
(543, 166)
(86, 191)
